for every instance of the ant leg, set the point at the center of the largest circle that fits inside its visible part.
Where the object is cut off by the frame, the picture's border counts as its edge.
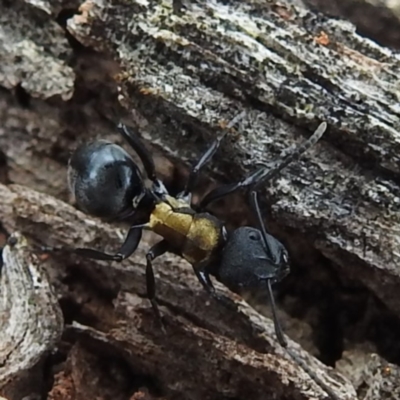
(204, 278)
(206, 157)
(143, 154)
(255, 207)
(129, 246)
(264, 174)
(194, 173)
(157, 250)
(277, 325)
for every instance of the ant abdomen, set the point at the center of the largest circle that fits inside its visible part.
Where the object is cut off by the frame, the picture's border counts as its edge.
(104, 180)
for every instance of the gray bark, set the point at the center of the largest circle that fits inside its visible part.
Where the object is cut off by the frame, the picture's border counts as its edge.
(177, 79)
(378, 20)
(31, 320)
(348, 205)
(204, 343)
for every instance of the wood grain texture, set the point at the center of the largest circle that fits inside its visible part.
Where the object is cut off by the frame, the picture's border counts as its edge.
(207, 350)
(185, 73)
(177, 78)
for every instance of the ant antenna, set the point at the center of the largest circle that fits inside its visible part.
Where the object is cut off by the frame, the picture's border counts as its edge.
(264, 174)
(269, 248)
(277, 326)
(194, 173)
(269, 244)
(257, 178)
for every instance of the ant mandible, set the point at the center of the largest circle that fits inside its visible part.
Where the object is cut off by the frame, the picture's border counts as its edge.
(107, 183)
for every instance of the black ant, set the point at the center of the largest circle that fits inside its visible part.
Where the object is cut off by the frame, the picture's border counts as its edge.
(107, 183)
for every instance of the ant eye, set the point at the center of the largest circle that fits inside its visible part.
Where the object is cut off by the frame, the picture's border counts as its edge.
(254, 236)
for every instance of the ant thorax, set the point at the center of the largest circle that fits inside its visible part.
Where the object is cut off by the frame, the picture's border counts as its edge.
(195, 236)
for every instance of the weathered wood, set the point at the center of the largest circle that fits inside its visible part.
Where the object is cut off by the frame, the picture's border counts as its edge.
(185, 73)
(30, 319)
(180, 78)
(378, 379)
(181, 85)
(204, 343)
(378, 20)
(25, 50)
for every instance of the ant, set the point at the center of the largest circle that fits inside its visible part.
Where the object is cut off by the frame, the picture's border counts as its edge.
(107, 183)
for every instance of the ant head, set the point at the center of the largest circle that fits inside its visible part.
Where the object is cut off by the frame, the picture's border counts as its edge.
(249, 261)
(105, 180)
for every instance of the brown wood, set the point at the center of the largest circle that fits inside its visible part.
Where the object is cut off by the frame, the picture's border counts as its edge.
(204, 342)
(378, 20)
(177, 79)
(30, 318)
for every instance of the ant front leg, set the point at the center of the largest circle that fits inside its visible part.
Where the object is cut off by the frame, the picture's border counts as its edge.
(204, 159)
(129, 246)
(202, 273)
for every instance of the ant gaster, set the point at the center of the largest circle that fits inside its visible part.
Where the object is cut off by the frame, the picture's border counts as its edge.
(107, 183)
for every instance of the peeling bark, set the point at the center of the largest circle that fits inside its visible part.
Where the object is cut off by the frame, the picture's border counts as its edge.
(30, 318)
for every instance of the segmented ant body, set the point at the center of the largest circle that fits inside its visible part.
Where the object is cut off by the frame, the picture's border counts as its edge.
(107, 183)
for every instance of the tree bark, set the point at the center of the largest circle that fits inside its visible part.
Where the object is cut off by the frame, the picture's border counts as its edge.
(31, 320)
(205, 348)
(378, 20)
(177, 77)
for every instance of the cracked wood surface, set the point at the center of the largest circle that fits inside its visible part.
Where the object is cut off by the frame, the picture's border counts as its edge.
(289, 69)
(205, 343)
(181, 77)
(184, 72)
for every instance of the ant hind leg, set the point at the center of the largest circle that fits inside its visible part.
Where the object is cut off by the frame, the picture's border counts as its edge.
(129, 246)
(157, 250)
